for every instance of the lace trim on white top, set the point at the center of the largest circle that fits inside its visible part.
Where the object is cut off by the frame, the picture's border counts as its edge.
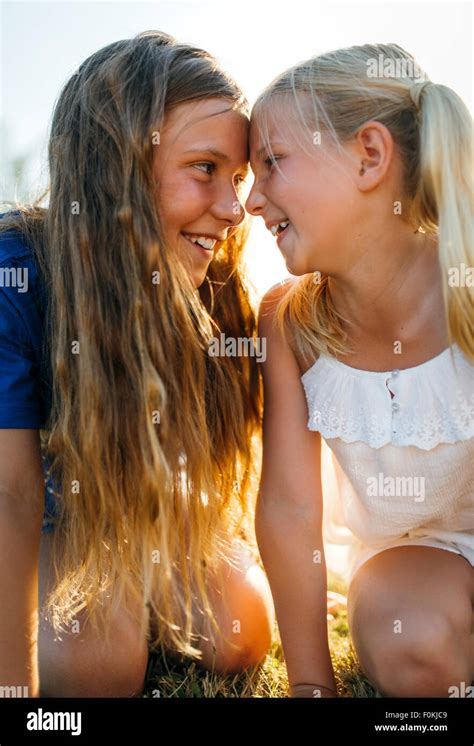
(433, 402)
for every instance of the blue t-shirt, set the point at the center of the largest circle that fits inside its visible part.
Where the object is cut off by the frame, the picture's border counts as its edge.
(25, 379)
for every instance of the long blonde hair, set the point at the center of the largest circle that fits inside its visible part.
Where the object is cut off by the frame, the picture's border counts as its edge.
(432, 129)
(149, 436)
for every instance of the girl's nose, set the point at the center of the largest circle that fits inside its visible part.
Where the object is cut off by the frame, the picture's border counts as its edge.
(231, 211)
(255, 201)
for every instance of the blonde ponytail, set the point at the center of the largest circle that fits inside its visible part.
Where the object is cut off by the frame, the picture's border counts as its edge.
(444, 198)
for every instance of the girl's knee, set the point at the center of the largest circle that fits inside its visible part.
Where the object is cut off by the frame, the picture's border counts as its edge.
(244, 611)
(223, 658)
(80, 662)
(424, 660)
(421, 679)
(82, 665)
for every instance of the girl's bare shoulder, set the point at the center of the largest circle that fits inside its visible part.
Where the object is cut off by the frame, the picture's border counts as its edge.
(269, 327)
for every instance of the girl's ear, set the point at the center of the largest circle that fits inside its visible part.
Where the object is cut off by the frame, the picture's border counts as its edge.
(374, 152)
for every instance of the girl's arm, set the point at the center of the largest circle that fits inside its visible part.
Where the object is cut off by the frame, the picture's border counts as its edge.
(21, 513)
(289, 513)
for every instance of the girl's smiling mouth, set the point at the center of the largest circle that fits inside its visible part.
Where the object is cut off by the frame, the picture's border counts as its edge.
(202, 243)
(279, 229)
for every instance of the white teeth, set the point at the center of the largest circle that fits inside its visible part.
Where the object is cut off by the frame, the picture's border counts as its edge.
(282, 225)
(206, 243)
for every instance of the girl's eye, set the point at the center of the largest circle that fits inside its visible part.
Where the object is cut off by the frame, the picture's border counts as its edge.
(270, 161)
(205, 166)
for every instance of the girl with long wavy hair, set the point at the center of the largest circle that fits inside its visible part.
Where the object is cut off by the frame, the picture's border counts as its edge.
(364, 175)
(108, 394)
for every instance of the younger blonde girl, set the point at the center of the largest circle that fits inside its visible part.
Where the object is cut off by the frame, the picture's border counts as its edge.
(363, 172)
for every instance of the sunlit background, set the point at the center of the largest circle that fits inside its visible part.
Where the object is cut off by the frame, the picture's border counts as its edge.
(42, 43)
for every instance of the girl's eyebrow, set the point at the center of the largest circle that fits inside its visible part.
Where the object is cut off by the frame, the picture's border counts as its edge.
(261, 152)
(210, 151)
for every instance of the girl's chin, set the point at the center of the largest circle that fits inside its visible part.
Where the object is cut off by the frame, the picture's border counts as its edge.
(293, 265)
(295, 269)
(198, 281)
(197, 275)
(296, 263)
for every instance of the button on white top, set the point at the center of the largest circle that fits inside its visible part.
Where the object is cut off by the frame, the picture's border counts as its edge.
(439, 390)
(395, 373)
(395, 406)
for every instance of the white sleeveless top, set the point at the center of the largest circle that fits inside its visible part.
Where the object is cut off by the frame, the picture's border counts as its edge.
(400, 466)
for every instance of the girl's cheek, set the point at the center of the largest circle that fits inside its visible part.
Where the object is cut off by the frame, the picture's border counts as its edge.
(193, 189)
(184, 194)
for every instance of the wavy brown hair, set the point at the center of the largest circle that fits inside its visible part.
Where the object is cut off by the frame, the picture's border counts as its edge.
(150, 437)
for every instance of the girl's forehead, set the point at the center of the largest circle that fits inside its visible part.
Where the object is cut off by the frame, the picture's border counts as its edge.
(280, 113)
(206, 125)
(200, 113)
(202, 130)
(275, 121)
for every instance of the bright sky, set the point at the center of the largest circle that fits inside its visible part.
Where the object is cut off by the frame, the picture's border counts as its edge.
(42, 43)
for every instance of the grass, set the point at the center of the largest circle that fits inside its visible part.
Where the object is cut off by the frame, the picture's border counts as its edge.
(167, 678)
